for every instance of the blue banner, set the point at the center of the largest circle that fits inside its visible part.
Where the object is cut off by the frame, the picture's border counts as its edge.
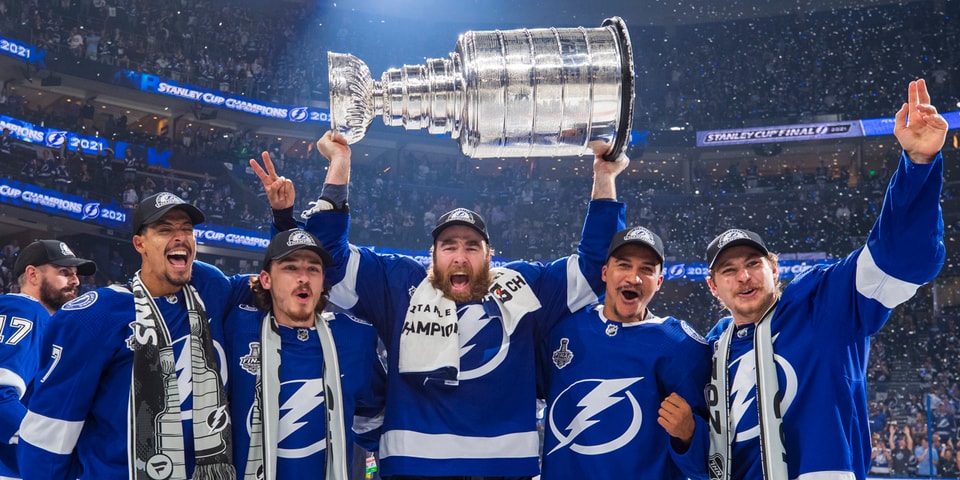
(23, 51)
(781, 133)
(61, 204)
(219, 99)
(699, 271)
(51, 137)
(229, 237)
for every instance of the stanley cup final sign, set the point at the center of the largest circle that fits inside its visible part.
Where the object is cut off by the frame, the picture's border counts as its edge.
(514, 93)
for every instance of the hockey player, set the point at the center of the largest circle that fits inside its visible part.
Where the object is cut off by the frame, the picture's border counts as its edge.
(279, 325)
(460, 336)
(611, 369)
(46, 271)
(788, 393)
(133, 387)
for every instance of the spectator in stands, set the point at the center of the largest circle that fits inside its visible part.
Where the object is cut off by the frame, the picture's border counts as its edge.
(75, 42)
(880, 457)
(6, 143)
(129, 197)
(62, 178)
(943, 421)
(900, 444)
(949, 466)
(927, 459)
(48, 165)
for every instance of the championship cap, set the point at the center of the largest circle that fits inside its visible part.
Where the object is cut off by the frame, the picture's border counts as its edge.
(158, 204)
(287, 242)
(637, 236)
(733, 238)
(54, 252)
(461, 216)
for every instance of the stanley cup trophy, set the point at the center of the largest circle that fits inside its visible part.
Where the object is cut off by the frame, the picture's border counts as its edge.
(546, 92)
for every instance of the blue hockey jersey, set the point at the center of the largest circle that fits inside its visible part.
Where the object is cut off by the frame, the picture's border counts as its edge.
(302, 431)
(76, 423)
(604, 382)
(821, 337)
(486, 424)
(22, 319)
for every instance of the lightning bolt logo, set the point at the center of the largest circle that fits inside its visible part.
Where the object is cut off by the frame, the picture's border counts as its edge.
(599, 399)
(743, 392)
(301, 430)
(472, 320)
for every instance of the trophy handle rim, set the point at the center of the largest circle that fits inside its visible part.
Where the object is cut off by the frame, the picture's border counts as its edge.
(627, 93)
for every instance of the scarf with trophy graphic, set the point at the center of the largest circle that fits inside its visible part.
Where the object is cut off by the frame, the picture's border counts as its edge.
(156, 430)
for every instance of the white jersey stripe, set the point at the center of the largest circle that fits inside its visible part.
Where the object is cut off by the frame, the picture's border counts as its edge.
(873, 283)
(11, 378)
(827, 475)
(406, 443)
(50, 434)
(344, 293)
(579, 293)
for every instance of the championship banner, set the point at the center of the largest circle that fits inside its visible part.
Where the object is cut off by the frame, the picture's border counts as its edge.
(32, 197)
(22, 51)
(51, 137)
(780, 133)
(700, 271)
(215, 98)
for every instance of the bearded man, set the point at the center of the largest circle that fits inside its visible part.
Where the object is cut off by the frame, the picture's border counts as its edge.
(46, 271)
(461, 335)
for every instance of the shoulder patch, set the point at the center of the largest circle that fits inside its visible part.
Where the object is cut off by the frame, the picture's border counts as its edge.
(247, 307)
(692, 333)
(81, 302)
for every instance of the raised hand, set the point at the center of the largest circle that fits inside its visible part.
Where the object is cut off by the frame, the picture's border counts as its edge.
(280, 191)
(920, 130)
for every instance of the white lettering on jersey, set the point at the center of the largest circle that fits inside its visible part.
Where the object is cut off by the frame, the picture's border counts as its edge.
(473, 319)
(600, 398)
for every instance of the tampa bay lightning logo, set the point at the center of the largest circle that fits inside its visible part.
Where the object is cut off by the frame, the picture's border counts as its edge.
(55, 138)
(298, 114)
(91, 210)
(676, 270)
(743, 393)
(595, 416)
(301, 431)
(484, 342)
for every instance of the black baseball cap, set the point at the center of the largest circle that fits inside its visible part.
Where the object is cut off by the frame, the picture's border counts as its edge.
(55, 252)
(289, 241)
(158, 204)
(733, 238)
(461, 216)
(637, 236)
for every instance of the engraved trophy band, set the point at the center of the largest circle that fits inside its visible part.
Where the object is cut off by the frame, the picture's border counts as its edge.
(546, 92)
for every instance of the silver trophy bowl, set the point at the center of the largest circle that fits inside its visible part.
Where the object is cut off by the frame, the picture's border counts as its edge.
(546, 92)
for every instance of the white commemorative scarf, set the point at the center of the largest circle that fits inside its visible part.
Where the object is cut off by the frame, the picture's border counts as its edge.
(430, 341)
(772, 453)
(264, 433)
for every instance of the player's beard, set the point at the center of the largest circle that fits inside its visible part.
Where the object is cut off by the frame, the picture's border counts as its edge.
(54, 298)
(479, 283)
